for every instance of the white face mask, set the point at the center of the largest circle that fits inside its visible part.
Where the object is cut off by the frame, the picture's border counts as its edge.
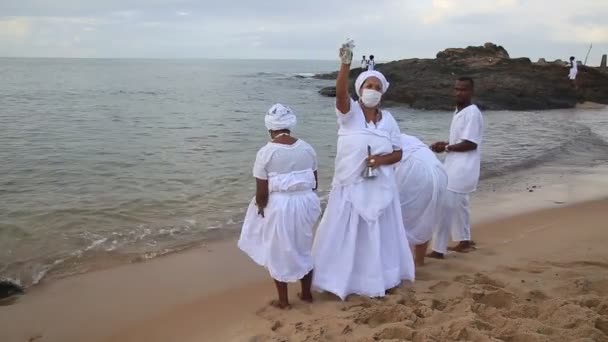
(371, 98)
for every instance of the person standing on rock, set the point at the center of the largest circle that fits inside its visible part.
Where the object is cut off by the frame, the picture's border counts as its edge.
(462, 165)
(361, 246)
(573, 71)
(363, 64)
(371, 64)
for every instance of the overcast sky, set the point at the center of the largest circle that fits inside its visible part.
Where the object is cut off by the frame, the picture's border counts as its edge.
(303, 29)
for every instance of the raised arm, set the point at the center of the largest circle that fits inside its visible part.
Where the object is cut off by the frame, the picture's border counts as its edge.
(342, 97)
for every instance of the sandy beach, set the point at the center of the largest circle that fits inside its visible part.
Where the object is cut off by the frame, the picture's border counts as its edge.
(540, 274)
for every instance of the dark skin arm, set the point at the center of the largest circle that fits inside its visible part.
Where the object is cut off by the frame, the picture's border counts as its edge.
(387, 159)
(463, 146)
(261, 195)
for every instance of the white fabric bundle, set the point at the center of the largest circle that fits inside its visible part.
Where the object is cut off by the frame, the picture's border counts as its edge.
(367, 74)
(280, 117)
(422, 183)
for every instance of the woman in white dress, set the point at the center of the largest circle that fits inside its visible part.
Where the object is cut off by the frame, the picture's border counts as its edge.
(360, 246)
(422, 183)
(278, 228)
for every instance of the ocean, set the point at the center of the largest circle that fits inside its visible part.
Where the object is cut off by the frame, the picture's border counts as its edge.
(114, 161)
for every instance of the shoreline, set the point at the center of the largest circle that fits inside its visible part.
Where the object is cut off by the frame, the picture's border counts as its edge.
(551, 184)
(88, 253)
(119, 301)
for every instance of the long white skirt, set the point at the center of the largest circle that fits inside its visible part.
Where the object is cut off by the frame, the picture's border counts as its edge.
(282, 240)
(455, 221)
(353, 256)
(422, 186)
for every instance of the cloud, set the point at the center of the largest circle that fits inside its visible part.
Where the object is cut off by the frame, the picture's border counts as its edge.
(390, 29)
(14, 29)
(442, 9)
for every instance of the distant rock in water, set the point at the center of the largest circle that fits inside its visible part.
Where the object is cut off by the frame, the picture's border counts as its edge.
(501, 82)
(9, 289)
(328, 91)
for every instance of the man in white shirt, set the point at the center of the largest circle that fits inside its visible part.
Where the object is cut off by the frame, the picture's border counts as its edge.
(573, 72)
(363, 64)
(462, 165)
(371, 64)
(573, 69)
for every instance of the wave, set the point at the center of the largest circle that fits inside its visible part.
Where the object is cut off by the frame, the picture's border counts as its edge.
(282, 75)
(584, 148)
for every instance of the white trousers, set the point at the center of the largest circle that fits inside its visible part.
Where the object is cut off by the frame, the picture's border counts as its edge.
(455, 221)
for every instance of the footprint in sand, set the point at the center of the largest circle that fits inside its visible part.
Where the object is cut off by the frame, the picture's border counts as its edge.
(497, 298)
(399, 333)
(579, 264)
(439, 286)
(377, 316)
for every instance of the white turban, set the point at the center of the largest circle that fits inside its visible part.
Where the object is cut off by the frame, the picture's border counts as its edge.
(280, 117)
(367, 74)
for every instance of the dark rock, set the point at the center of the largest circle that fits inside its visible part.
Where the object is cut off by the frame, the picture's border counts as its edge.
(603, 63)
(328, 91)
(501, 82)
(9, 289)
(542, 61)
(489, 50)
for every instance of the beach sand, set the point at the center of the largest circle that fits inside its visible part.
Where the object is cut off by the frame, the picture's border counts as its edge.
(540, 275)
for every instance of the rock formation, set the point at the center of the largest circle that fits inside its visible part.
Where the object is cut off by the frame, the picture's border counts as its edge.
(501, 82)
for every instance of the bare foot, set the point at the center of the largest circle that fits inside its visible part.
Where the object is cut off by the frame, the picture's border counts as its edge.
(308, 298)
(463, 247)
(280, 305)
(435, 255)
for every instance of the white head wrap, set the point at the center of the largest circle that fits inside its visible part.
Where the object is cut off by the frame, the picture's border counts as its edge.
(367, 74)
(280, 117)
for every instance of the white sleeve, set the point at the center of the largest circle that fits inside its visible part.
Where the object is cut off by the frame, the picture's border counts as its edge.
(473, 128)
(345, 117)
(259, 166)
(395, 133)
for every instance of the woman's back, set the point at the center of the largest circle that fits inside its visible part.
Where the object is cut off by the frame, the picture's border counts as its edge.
(277, 158)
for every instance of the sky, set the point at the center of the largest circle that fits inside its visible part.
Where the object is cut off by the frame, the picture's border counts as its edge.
(304, 29)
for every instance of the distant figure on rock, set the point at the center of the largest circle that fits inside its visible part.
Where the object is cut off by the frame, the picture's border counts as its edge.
(573, 70)
(364, 64)
(371, 64)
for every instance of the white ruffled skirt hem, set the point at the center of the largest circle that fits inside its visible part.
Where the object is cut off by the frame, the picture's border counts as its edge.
(282, 240)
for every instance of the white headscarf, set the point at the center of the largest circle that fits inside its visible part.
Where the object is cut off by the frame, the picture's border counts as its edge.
(367, 74)
(280, 117)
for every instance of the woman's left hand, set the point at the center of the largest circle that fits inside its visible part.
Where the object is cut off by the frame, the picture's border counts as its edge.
(375, 161)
